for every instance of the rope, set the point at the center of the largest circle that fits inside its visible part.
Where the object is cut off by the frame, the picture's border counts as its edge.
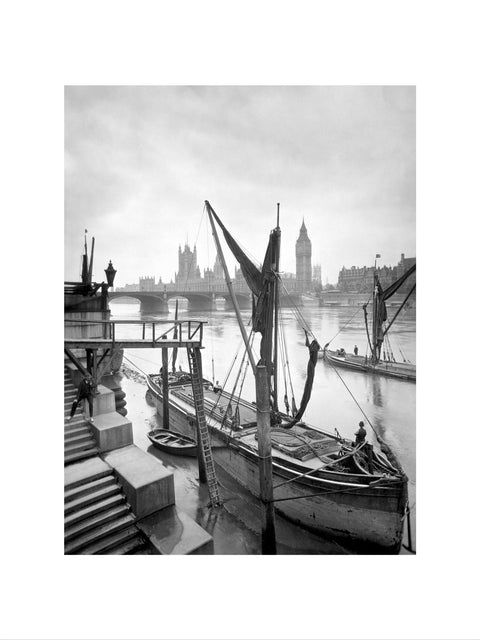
(329, 492)
(303, 323)
(220, 393)
(348, 321)
(135, 365)
(355, 400)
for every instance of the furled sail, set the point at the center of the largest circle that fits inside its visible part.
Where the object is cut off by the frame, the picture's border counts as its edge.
(313, 348)
(380, 308)
(251, 273)
(261, 283)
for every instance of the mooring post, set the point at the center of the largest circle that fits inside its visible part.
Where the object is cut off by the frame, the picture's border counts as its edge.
(269, 546)
(166, 417)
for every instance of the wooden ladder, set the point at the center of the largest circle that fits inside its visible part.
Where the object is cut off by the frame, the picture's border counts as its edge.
(195, 364)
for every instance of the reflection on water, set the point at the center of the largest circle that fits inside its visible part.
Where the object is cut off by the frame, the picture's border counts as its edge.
(389, 404)
(377, 391)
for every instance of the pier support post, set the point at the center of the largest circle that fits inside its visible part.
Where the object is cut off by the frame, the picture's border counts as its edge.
(166, 417)
(269, 546)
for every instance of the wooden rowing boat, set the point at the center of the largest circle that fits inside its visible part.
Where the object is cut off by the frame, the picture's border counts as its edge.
(173, 442)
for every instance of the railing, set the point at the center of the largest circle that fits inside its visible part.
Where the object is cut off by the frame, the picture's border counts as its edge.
(185, 330)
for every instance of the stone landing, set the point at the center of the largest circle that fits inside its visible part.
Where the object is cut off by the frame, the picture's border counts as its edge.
(172, 532)
(147, 484)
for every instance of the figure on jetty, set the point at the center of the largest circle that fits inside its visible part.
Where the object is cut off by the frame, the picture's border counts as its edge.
(85, 391)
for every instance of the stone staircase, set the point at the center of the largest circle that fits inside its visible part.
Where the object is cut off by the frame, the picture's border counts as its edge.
(98, 519)
(79, 441)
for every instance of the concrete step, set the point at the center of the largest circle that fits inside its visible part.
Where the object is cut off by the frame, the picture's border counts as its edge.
(134, 545)
(80, 446)
(79, 438)
(75, 422)
(88, 487)
(78, 431)
(94, 521)
(80, 455)
(88, 499)
(95, 509)
(103, 538)
(84, 472)
(112, 542)
(172, 532)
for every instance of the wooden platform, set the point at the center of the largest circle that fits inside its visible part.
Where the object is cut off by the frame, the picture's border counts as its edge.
(128, 343)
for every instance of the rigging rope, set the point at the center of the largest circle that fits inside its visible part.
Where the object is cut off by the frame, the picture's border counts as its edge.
(303, 323)
(348, 321)
(135, 365)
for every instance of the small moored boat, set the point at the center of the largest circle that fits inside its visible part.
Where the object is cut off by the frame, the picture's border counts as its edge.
(173, 442)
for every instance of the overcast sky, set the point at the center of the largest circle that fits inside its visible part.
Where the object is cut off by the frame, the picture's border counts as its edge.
(141, 161)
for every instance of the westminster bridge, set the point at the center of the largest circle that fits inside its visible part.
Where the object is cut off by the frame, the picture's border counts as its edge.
(200, 297)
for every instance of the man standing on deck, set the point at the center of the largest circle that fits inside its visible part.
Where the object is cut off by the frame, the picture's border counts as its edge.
(360, 435)
(355, 350)
(85, 391)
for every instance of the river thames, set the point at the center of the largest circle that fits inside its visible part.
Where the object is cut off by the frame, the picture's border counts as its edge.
(389, 404)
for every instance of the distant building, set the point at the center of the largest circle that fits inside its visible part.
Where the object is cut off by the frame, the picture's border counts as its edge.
(303, 255)
(147, 284)
(189, 277)
(188, 270)
(215, 274)
(360, 279)
(317, 277)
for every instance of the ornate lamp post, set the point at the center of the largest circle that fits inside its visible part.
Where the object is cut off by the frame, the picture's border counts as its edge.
(110, 273)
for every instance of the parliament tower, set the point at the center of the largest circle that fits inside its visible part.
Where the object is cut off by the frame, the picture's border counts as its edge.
(303, 254)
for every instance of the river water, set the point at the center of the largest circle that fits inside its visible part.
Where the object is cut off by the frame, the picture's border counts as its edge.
(388, 403)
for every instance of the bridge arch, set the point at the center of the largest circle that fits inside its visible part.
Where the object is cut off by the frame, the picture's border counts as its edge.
(150, 302)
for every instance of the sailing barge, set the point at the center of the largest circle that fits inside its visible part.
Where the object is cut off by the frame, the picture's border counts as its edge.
(392, 369)
(328, 484)
(388, 366)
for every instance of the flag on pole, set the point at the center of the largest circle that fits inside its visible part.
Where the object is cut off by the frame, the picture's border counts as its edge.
(377, 256)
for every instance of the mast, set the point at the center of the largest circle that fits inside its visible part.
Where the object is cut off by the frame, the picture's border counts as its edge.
(90, 268)
(276, 298)
(85, 261)
(175, 336)
(230, 288)
(374, 312)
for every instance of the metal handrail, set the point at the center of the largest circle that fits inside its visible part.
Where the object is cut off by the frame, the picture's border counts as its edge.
(197, 327)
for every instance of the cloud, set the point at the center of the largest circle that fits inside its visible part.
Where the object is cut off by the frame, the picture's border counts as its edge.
(140, 161)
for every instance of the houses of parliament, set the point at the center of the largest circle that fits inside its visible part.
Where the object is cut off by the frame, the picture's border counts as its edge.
(188, 273)
(305, 279)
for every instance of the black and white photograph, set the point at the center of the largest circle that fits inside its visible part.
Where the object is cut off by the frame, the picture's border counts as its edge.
(212, 216)
(240, 320)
